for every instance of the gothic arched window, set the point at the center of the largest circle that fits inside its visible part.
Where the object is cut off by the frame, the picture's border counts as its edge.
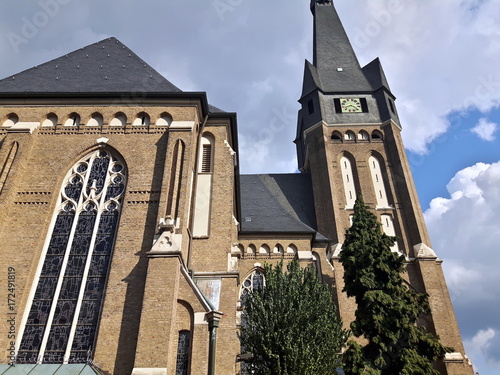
(348, 179)
(183, 345)
(253, 282)
(378, 182)
(66, 299)
(388, 228)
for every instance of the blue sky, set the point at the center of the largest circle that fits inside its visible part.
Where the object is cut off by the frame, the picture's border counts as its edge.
(453, 151)
(440, 56)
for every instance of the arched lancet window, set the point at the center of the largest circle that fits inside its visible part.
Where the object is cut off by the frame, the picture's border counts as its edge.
(120, 119)
(183, 346)
(363, 136)
(201, 223)
(377, 136)
(336, 136)
(349, 136)
(5, 171)
(348, 179)
(378, 182)
(278, 249)
(206, 154)
(252, 282)
(388, 227)
(61, 321)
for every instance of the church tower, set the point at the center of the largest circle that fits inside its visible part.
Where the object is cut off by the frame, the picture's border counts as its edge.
(130, 238)
(349, 141)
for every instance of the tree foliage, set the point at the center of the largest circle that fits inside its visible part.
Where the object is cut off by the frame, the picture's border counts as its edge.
(387, 310)
(291, 326)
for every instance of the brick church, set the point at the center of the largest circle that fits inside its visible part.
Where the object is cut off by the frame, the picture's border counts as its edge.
(129, 234)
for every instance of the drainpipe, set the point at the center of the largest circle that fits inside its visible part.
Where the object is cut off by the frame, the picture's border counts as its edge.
(213, 323)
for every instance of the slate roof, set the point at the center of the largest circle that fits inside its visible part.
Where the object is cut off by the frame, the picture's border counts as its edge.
(375, 74)
(107, 66)
(335, 67)
(277, 203)
(332, 50)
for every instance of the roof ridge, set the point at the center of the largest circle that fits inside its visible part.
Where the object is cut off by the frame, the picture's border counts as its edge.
(90, 69)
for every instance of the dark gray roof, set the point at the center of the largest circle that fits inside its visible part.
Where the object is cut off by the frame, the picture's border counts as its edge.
(277, 203)
(337, 64)
(214, 109)
(107, 66)
(375, 74)
(311, 79)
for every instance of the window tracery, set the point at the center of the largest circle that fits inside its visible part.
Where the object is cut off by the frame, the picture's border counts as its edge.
(61, 323)
(254, 281)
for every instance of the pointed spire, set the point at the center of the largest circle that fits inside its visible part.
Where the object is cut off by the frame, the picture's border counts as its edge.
(311, 80)
(375, 75)
(333, 56)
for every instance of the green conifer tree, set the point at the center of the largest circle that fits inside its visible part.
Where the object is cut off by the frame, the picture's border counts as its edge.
(387, 308)
(291, 326)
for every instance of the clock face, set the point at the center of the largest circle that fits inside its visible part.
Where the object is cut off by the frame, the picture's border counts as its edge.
(350, 105)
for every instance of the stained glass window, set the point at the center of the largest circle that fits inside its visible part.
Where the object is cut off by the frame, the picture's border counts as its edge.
(183, 346)
(254, 281)
(61, 323)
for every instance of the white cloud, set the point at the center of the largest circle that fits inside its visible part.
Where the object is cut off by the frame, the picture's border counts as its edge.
(251, 60)
(477, 346)
(464, 229)
(483, 346)
(485, 130)
(435, 65)
(468, 219)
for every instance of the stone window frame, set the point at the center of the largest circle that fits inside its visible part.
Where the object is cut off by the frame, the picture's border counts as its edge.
(78, 197)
